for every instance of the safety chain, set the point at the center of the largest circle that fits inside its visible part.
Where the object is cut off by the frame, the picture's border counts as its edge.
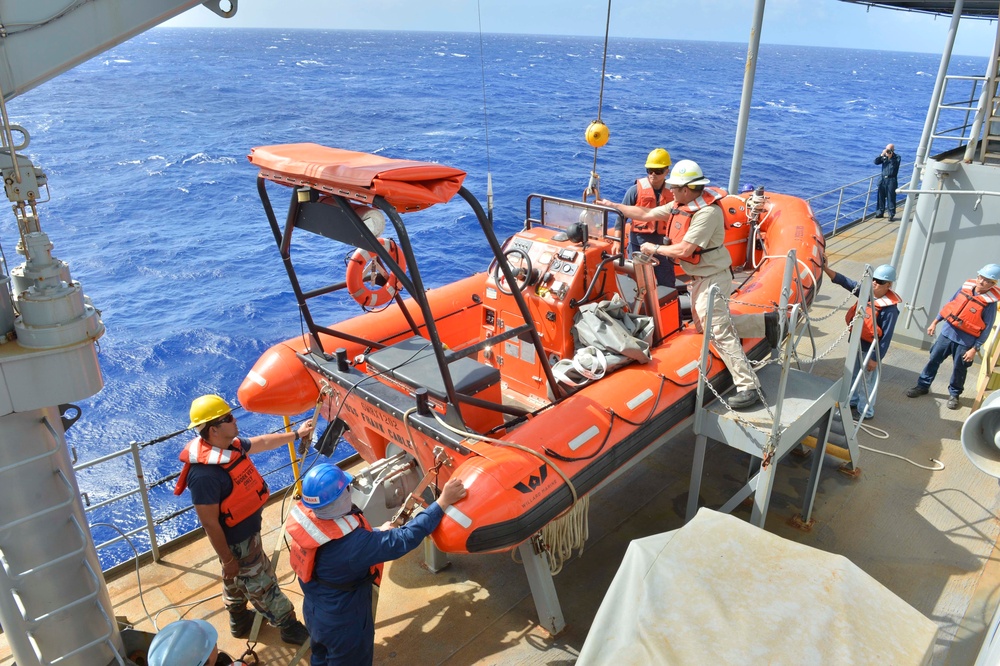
(843, 334)
(769, 306)
(835, 310)
(768, 447)
(743, 356)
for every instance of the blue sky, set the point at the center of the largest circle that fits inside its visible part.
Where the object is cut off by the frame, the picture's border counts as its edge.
(801, 22)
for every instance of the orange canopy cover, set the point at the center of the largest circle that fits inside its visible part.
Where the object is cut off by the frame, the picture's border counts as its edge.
(406, 184)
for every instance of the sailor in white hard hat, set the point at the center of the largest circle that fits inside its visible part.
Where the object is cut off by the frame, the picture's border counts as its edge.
(696, 232)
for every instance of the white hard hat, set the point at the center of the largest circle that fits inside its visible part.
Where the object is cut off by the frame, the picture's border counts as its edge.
(688, 173)
(183, 643)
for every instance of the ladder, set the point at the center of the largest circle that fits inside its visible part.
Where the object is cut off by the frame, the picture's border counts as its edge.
(796, 401)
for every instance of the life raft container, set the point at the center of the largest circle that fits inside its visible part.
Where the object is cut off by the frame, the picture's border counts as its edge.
(368, 281)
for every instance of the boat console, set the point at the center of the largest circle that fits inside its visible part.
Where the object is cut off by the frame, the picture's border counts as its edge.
(563, 258)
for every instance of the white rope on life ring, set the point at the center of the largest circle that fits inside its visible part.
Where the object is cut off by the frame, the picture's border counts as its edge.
(368, 281)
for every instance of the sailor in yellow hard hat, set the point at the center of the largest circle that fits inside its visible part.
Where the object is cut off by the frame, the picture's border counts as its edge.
(651, 191)
(228, 494)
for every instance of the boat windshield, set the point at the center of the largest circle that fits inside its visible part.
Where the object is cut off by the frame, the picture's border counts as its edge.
(564, 213)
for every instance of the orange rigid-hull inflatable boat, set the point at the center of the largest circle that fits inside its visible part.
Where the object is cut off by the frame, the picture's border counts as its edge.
(460, 378)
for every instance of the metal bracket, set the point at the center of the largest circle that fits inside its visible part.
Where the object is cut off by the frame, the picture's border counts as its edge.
(216, 7)
(68, 421)
(410, 505)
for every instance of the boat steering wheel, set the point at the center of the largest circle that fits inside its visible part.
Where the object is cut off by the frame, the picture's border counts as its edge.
(522, 274)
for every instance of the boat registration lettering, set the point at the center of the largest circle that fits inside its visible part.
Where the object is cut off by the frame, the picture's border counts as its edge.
(639, 399)
(458, 516)
(685, 369)
(583, 437)
(384, 424)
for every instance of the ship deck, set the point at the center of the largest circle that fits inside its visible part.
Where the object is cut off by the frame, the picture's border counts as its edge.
(929, 537)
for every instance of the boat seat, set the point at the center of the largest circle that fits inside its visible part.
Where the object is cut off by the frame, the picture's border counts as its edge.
(412, 362)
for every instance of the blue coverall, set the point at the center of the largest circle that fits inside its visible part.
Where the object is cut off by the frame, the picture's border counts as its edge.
(954, 343)
(888, 184)
(340, 623)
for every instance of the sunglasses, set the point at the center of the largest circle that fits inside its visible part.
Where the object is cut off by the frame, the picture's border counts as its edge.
(658, 172)
(228, 418)
(880, 281)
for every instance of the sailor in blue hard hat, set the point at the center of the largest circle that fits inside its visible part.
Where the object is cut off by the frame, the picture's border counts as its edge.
(187, 643)
(885, 302)
(967, 320)
(338, 560)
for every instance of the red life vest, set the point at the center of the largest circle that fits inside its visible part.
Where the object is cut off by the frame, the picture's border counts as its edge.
(965, 311)
(250, 490)
(869, 324)
(645, 196)
(680, 219)
(308, 533)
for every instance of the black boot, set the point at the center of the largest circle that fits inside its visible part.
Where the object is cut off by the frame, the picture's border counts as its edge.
(743, 400)
(240, 622)
(293, 631)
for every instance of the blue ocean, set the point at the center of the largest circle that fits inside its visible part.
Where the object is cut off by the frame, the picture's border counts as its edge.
(154, 204)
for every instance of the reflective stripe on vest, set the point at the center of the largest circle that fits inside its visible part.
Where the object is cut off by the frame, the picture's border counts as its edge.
(868, 328)
(308, 533)
(965, 311)
(645, 197)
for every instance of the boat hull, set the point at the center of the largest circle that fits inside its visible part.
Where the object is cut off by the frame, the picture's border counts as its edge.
(522, 472)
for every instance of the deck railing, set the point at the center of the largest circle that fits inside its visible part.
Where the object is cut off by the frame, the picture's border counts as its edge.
(152, 514)
(850, 203)
(954, 122)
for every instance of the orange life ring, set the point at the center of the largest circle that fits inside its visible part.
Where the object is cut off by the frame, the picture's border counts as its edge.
(368, 281)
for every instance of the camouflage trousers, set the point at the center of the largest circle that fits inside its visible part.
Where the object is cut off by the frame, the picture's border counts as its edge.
(255, 582)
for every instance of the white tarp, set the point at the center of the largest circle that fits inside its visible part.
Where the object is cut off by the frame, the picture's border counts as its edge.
(721, 591)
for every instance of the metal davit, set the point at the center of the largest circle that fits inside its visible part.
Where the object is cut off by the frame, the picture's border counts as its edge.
(54, 604)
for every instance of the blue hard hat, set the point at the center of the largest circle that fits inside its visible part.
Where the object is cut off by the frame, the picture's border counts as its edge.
(183, 643)
(885, 272)
(991, 272)
(323, 484)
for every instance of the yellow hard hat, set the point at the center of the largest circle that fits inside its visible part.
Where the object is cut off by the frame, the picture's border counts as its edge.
(207, 408)
(658, 159)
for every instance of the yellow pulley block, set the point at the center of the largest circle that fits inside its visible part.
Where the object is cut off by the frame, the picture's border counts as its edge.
(597, 134)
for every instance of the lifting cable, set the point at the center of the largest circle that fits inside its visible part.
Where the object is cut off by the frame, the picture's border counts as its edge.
(597, 132)
(486, 120)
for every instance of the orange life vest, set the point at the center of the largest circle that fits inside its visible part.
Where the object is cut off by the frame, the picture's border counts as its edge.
(645, 196)
(869, 324)
(250, 490)
(680, 220)
(308, 533)
(965, 311)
